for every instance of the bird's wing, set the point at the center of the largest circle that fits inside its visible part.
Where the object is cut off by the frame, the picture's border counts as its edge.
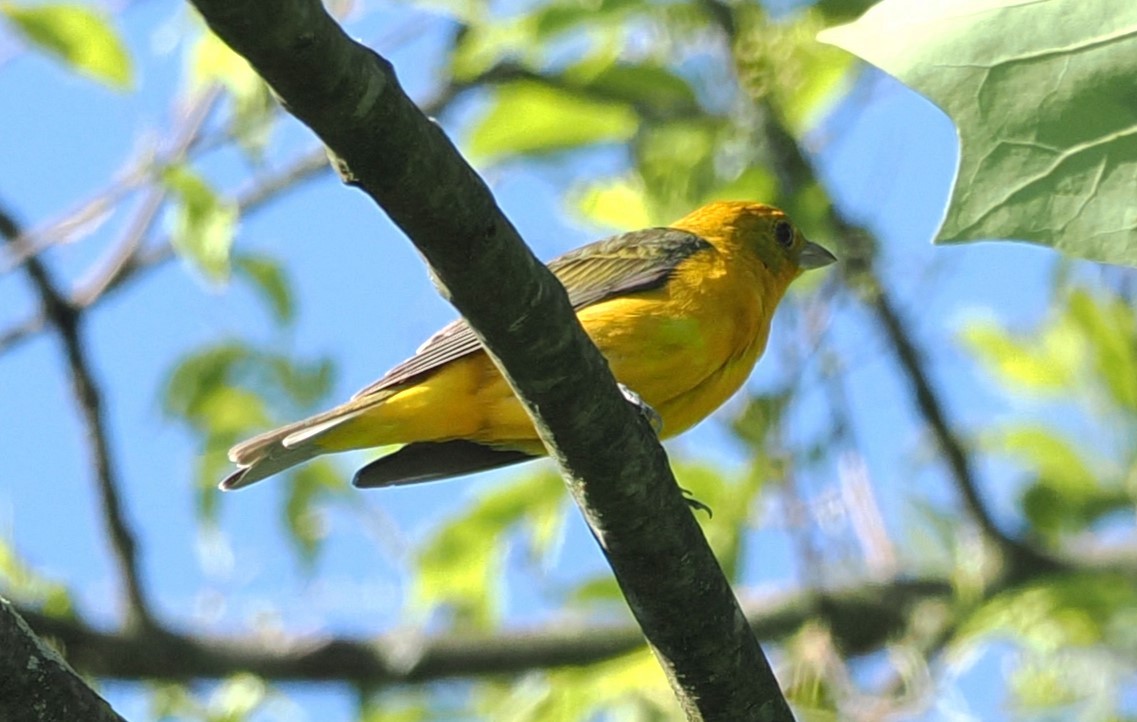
(433, 461)
(629, 262)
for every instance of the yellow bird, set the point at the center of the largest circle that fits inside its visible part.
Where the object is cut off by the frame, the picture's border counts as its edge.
(682, 314)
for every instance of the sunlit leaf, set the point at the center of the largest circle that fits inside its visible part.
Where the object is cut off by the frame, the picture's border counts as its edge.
(460, 566)
(678, 163)
(618, 204)
(1078, 609)
(1040, 93)
(212, 61)
(527, 118)
(79, 35)
(21, 582)
(1043, 450)
(563, 15)
(1111, 330)
(236, 698)
(1042, 365)
(1066, 494)
(204, 224)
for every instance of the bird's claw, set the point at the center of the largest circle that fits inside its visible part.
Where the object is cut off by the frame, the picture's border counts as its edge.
(644, 408)
(695, 504)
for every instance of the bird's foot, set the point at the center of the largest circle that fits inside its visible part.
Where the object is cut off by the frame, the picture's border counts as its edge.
(644, 408)
(695, 504)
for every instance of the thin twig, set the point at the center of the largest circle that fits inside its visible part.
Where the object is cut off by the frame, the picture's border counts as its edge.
(61, 315)
(305, 167)
(139, 228)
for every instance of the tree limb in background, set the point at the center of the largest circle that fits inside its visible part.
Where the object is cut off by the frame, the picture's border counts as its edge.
(860, 620)
(609, 456)
(36, 685)
(67, 320)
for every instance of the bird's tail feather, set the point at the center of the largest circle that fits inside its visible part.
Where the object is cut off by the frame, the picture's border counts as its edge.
(274, 451)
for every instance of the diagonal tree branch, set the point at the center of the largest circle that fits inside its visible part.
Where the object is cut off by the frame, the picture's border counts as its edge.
(609, 456)
(66, 319)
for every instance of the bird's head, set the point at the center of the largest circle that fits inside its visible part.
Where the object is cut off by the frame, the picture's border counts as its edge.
(743, 227)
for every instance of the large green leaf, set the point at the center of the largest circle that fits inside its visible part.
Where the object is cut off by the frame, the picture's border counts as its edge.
(80, 36)
(1042, 95)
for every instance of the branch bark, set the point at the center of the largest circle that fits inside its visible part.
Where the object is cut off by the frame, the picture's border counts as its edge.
(609, 456)
(36, 685)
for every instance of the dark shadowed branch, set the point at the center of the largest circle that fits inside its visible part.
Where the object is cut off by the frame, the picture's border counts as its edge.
(36, 684)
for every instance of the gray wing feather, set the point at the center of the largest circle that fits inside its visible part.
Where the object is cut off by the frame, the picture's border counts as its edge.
(629, 262)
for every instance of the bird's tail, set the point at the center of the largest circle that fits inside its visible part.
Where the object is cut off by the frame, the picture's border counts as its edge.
(274, 451)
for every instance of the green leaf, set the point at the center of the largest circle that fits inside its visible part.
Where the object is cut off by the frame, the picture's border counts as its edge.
(204, 225)
(651, 88)
(308, 484)
(565, 15)
(1071, 610)
(1066, 494)
(237, 698)
(268, 277)
(1110, 328)
(1042, 365)
(196, 375)
(460, 566)
(618, 203)
(212, 61)
(20, 582)
(230, 391)
(680, 164)
(79, 35)
(1041, 95)
(528, 118)
(602, 589)
(1049, 454)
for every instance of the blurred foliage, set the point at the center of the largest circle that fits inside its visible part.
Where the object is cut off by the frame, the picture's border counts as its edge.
(230, 391)
(203, 223)
(705, 100)
(461, 566)
(1083, 358)
(82, 37)
(20, 582)
(234, 699)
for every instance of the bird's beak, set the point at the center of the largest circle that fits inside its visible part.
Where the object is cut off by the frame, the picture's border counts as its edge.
(814, 256)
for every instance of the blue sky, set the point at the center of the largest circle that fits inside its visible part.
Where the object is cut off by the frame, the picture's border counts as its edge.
(365, 301)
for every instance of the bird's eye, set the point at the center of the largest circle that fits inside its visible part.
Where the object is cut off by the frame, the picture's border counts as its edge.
(784, 234)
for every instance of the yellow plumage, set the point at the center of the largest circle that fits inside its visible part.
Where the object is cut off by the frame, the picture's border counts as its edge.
(681, 313)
